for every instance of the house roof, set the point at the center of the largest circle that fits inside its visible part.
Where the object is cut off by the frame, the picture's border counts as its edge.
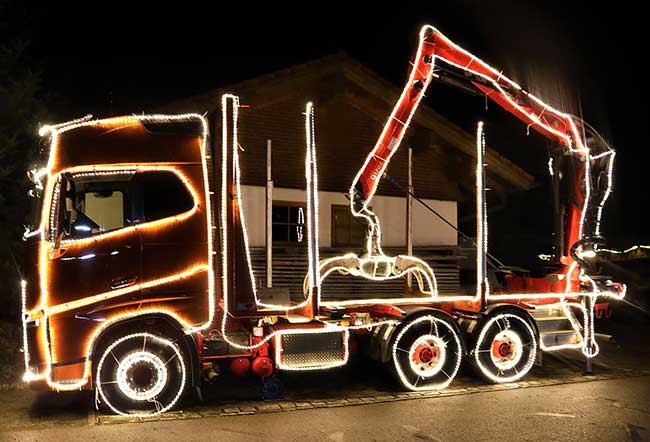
(352, 103)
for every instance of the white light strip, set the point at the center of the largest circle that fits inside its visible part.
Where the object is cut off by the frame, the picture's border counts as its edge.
(231, 145)
(610, 182)
(149, 337)
(54, 131)
(536, 119)
(311, 175)
(481, 215)
(622, 252)
(23, 294)
(395, 142)
(278, 349)
(450, 376)
(518, 375)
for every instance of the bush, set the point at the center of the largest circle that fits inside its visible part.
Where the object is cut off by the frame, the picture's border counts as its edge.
(10, 353)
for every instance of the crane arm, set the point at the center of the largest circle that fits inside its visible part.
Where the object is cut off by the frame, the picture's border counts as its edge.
(434, 47)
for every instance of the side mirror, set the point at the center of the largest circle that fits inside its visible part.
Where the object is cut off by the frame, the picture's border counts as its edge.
(66, 208)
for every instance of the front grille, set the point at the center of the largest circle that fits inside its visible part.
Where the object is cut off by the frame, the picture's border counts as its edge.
(312, 351)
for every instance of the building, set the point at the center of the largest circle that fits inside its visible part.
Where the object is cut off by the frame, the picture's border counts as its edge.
(352, 103)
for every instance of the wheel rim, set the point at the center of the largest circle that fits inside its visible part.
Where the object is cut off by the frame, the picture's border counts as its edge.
(506, 348)
(141, 375)
(427, 353)
(142, 382)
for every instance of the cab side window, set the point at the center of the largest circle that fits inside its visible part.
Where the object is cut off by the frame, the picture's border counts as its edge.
(91, 204)
(94, 205)
(163, 194)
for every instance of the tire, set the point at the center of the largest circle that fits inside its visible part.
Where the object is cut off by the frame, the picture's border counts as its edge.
(427, 352)
(141, 375)
(505, 348)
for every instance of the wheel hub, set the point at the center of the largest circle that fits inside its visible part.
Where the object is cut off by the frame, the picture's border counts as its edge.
(506, 349)
(503, 349)
(427, 355)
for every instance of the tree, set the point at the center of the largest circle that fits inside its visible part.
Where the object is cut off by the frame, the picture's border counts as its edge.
(21, 108)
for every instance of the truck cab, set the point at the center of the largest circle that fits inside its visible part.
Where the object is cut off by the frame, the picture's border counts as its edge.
(124, 233)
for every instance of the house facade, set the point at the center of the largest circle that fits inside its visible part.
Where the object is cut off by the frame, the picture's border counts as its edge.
(351, 104)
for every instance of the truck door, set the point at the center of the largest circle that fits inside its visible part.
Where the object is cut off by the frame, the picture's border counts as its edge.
(94, 258)
(176, 245)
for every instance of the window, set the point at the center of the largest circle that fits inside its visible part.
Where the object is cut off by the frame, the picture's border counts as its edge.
(289, 223)
(163, 195)
(96, 204)
(346, 229)
(92, 204)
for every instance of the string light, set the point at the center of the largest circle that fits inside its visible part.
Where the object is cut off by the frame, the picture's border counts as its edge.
(457, 350)
(86, 171)
(289, 367)
(312, 283)
(518, 347)
(42, 310)
(482, 284)
(374, 266)
(623, 252)
(132, 358)
(610, 179)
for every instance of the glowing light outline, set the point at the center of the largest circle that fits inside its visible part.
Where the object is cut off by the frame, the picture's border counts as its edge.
(398, 369)
(129, 361)
(440, 344)
(278, 348)
(54, 131)
(148, 336)
(529, 363)
(121, 169)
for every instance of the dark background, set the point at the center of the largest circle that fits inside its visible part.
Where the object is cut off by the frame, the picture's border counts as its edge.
(108, 58)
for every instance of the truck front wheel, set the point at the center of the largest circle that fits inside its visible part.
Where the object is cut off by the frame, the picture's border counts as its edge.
(141, 375)
(427, 352)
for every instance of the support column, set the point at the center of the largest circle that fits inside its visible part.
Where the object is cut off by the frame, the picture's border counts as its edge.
(409, 216)
(269, 218)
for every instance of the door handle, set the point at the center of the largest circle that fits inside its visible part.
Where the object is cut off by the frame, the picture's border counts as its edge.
(123, 281)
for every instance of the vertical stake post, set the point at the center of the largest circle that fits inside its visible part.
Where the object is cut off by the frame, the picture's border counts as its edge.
(269, 217)
(409, 216)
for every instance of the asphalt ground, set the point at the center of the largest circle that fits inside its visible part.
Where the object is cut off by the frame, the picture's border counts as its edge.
(359, 384)
(601, 410)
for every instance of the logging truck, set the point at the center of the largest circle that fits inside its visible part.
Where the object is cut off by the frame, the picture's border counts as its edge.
(139, 282)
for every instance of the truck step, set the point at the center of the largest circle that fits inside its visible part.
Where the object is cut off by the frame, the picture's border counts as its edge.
(310, 351)
(544, 313)
(560, 337)
(553, 323)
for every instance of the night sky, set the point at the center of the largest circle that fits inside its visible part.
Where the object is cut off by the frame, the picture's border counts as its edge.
(107, 58)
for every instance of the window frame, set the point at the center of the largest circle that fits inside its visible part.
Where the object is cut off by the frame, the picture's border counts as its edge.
(134, 195)
(288, 224)
(127, 202)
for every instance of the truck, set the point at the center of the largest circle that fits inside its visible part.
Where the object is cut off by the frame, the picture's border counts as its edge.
(139, 281)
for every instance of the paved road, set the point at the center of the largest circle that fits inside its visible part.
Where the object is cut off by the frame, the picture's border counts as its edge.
(609, 411)
(554, 403)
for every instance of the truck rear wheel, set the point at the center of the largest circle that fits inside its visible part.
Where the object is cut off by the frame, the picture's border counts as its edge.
(141, 375)
(427, 352)
(505, 349)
